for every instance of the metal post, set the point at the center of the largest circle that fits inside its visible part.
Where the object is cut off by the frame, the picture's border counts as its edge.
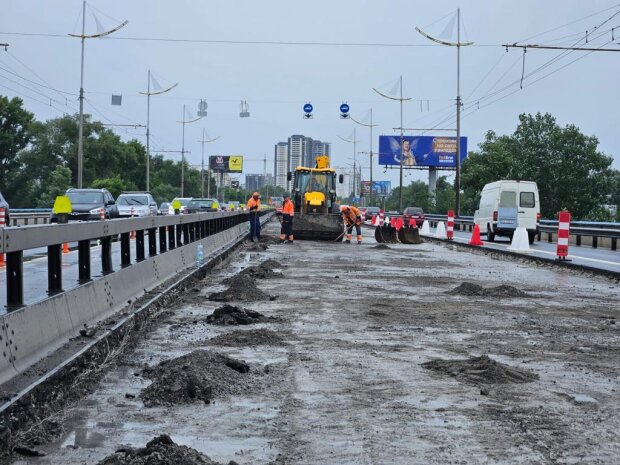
(81, 127)
(15, 279)
(400, 191)
(148, 120)
(162, 239)
(106, 255)
(370, 200)
(183, 157)
(458, 114)
(125, 250)
(84, 261)
(140, 245)
(202, 166)
(54, 269)
(152, 242)
(354, 164)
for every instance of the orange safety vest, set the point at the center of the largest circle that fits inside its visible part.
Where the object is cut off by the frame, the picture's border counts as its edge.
(351, 216)
(253, 203)
(288, 208)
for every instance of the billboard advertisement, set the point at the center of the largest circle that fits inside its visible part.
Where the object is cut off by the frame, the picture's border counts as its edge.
(434, 151)
(226, 164)
(379, 188)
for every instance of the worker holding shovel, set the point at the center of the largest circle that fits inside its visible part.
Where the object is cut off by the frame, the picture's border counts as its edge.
(352, 217)
(288, 211)
(253, 205)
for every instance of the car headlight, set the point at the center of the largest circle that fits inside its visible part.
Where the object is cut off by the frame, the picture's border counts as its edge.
(95, 211)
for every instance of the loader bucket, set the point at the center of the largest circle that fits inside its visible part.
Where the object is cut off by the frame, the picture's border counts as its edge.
(409, 236)
(323, 227)
(379, 235)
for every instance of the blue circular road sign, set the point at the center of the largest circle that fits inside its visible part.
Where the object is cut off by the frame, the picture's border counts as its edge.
(308, 108)
(344, 108)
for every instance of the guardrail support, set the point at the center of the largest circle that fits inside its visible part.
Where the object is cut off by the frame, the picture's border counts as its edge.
(84, 261)
(179, 233)
(125, 250)
(186, 234)
(152, 242)
(614, 243)
(106, 255)
(140, 245)
(15, 279)
(594, 242)
(578, 239)
(54, 269)
(172, 235)
(163, 244)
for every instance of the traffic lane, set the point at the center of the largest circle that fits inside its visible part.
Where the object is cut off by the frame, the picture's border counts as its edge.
(35, 273)
(596, 258)
(348, 386)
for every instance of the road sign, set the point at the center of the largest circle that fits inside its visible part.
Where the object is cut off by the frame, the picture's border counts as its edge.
(308, 108)
(344, 108)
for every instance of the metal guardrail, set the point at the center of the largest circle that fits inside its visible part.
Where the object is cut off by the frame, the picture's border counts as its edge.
(578, 229)
(164, 233)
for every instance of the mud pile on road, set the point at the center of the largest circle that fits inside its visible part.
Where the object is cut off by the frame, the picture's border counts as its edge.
(241, 288)
(251, 338)
(161, 450)
(382, 247)
(200, 375)
(476, 290)
(481, 369)
(229, 315)
(265, 270)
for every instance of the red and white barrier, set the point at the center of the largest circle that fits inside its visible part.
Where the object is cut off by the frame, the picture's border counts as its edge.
(450, 225)
(102, 214)
(563, 234)
(2, 225)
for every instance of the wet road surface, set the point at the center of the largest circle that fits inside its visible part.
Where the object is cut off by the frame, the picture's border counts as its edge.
(348, 388)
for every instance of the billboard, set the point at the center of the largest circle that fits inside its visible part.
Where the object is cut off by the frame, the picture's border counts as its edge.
(226, 164)
(434, 151)
(379, 188)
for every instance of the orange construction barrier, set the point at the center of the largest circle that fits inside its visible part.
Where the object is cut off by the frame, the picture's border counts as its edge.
(475, 237)
(398, 223)
(132, 235)
(450, 229)
(2, 224)
(563, 235)
(65, 247)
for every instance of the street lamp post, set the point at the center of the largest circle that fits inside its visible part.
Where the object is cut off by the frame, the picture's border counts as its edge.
(184, 122)
(370, 126)
(148, 94)
(202, 164)
(354, 142)
(458, 44)
(83, 36)
(401, 99)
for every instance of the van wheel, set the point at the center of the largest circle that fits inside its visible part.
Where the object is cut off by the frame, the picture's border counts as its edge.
(490, 235)
(531, 237)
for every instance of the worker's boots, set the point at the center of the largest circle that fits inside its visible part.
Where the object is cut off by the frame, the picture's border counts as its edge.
(348, 241)
(359, 242)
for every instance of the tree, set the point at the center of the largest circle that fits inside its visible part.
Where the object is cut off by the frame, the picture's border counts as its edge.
(15, 135)
(56, 184)
(115, 185)
(569, 170)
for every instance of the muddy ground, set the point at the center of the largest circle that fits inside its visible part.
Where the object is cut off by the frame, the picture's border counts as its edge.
(385, 364)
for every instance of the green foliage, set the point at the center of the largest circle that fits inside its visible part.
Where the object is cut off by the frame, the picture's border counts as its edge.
(565, 164)
(57, 183)
(115, 185)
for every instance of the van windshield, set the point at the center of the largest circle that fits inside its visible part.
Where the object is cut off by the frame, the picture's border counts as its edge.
(508, 199)
(527, 200)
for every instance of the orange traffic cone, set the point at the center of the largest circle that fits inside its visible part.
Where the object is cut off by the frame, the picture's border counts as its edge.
(65, 247)
(475, 237)
(1, 259)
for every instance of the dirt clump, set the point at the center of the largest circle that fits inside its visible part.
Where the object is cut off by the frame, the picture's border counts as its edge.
(229, 315)
(200, 375)
(481, 369)
(382, 247)
(251, 338)
(161, 450)
(265, 270)
(476, 290)
(241, 288)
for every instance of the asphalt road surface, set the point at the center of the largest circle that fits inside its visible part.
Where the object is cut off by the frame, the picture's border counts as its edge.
(343, 383)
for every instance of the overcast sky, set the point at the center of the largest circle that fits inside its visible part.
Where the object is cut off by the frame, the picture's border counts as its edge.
(277, 79)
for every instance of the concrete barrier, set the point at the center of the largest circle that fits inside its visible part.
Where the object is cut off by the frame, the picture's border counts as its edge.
(30, 333)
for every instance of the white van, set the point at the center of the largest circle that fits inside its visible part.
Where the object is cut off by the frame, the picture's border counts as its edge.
(506, 205)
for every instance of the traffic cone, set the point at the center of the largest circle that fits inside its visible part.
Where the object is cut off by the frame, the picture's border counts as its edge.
(412, 223)
(440, 233)
(426, 229)
(372, 221)
(475, 236)
(399, 223)
(65, 247)
(520, 241)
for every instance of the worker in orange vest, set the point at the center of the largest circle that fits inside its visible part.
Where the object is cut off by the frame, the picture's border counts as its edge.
(288, 211)
(253, 205)
(352, 217)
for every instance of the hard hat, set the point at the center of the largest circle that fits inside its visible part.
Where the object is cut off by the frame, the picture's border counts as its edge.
(285, 196)
(344, 208)
(255, 194)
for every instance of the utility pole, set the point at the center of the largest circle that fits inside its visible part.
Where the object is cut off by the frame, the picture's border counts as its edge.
(354, 142)
(370, 126)
(401, 100)
(202, 165)
(458, 44)
(148, 94)
(83, 38)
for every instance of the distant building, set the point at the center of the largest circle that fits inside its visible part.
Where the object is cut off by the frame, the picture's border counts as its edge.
(254, 182)
(280, 166)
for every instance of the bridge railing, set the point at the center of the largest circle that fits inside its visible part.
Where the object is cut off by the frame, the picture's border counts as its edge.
(592, 233)
(153, 235)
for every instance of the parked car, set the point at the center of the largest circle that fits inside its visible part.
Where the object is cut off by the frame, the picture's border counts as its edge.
(202, 205)
(140, 203)
(164, 208)
(415, 213)
(4, 204)
(372, 211)
(506, 205)
(86, 205)
(183, 200)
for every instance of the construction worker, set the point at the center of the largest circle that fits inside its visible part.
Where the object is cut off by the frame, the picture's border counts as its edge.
(352, 217)
(253, 206)
(288, 211)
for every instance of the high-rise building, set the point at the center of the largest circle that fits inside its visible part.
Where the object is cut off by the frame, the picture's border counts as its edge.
(280, 166)
(254, 182)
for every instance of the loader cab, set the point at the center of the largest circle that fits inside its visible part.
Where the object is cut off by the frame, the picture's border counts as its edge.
(314, 190)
